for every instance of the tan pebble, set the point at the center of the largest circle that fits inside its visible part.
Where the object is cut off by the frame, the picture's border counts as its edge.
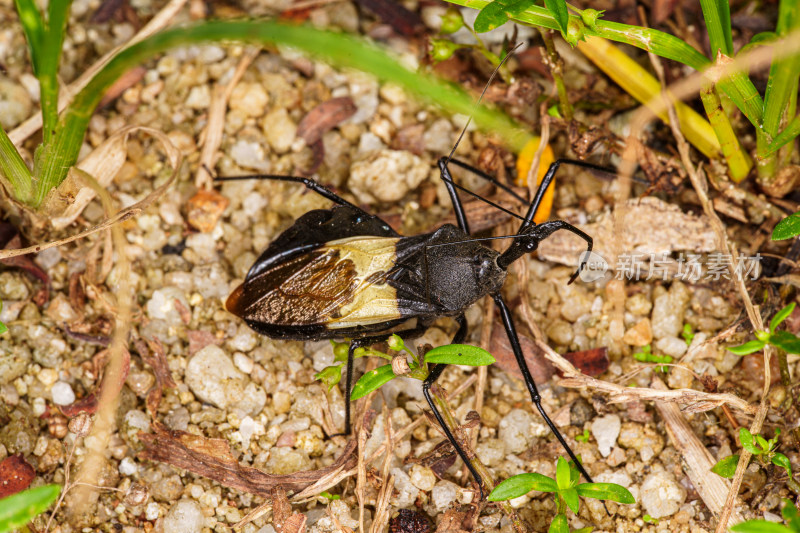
(639, 335)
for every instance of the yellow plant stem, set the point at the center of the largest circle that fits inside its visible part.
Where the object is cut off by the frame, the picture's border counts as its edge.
(645, 88)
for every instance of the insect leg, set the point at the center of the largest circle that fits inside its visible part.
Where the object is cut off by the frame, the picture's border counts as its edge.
(526, 374)
(426, 391)
(548, 179)
(309, 184)
(458, 208)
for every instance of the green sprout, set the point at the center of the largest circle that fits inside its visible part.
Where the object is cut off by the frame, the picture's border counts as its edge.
(645, 356)
(784, 340)
(583, 438)
(650, 520)
(566, 490)
(687, 334)
(762, 450)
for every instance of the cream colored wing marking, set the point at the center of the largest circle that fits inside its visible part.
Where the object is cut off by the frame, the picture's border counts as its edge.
(373, 300)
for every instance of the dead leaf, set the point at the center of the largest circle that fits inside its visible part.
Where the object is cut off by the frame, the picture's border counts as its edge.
(591, 362)
(152, 353)
(212, 458)
(16, 475)
(500, 348)
(325, 117)
(89, 403)
(455, 521)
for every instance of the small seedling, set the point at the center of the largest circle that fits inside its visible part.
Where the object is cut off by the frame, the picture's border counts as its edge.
(763, 451)
(327, 495)
(687, 334)
(565, 488)
(789, 513)
(787, 228)
(784, 340)
(650, 520)
(646, 356)
(585, 437)
(19, 509)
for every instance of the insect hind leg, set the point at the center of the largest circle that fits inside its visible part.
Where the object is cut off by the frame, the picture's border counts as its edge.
(307, 182)
(511, 332)
(435, 373)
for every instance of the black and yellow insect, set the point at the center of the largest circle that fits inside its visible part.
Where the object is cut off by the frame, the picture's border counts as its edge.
(343, 273)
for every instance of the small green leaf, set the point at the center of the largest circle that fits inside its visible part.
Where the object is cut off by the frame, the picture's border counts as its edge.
(459, 354)
(329, 496)
(787, 228)
(562, 474)
(19, 509)
(726, 467)
(605, 491)
(497, 13)
(780, 316)
(522, 484)
(371, 381)
(559, 10)
(330, 376)
(559, 524)
(746, 438)
(747, 348)
(583, 438)
(3, 328)
(571, 497)
(575, 31)
(788, 342)
(762, 443)
(781, 460)
(396, 343)
(759, 526)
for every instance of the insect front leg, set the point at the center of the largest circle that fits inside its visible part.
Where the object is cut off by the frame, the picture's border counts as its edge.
(308, 182)
(426, 391)
(511, 331)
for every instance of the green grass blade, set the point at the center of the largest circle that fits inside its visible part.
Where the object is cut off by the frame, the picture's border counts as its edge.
(789, 133)
(53, 39)
(14, 169)
(33, 26)
(760, 526)
(780, 316)
(715, 14)
(339, 49)
(19, 509)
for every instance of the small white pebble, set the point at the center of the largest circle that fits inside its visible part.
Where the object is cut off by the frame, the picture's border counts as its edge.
(47, 376)
(62, 393)
(127, 467)
(243, 363)
(152, 511)
(605, 431)
(39, 406)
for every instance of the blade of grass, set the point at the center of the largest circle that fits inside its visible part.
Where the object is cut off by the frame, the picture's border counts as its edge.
(339, 49)
(781, 87)
(718, 23)
(789, 133)
(14, 169)
(53, 39)
(33, 26)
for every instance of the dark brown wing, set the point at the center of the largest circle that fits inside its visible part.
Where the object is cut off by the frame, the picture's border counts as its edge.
(304, 290)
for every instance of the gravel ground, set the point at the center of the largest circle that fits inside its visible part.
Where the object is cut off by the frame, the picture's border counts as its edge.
(260, 395)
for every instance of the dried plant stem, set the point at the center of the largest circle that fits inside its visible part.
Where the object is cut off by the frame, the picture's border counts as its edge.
(109, 393)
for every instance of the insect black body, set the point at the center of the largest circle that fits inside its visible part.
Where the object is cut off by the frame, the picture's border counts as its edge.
(343, 273)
